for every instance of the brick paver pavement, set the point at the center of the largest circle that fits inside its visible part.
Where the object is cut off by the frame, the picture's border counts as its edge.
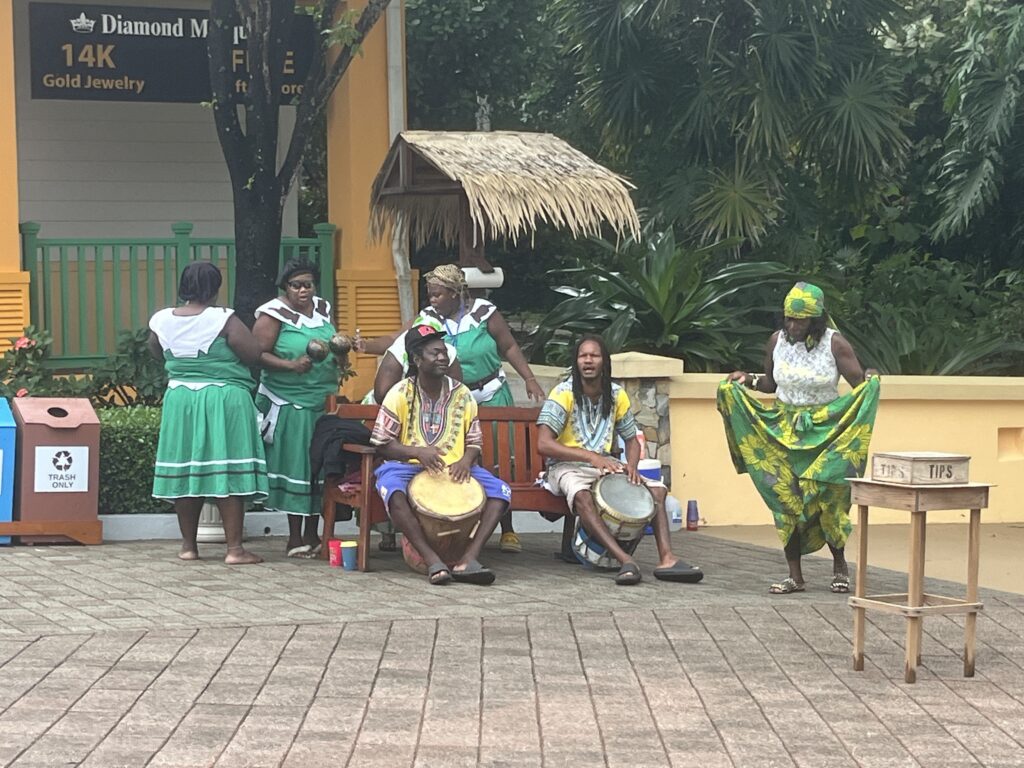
(121, 656)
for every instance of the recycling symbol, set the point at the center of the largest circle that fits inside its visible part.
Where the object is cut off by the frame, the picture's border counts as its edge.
(62, 460)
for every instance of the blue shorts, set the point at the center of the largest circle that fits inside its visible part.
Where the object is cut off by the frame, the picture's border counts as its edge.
(395, 476)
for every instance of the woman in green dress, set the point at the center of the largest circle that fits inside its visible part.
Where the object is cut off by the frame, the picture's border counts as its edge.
(482, 339)
(209, 443)
(291, 395)
(800, 451)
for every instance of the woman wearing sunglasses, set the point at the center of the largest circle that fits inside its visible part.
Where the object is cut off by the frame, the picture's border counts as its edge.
(291, 395)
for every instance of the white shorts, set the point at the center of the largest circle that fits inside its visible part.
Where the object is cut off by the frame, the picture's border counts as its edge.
(567, 478)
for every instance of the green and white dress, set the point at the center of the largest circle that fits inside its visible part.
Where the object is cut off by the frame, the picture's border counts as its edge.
(209, 429)
(292, 402)
(478, 354)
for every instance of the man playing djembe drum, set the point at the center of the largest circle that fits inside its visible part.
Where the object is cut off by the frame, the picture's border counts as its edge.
(579, 422)
(428, 421)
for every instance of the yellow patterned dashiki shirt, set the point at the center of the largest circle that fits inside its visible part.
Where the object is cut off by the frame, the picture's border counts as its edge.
(411, 417)
(582, 425)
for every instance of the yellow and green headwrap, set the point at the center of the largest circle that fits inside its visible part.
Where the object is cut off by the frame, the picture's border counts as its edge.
(804, 300)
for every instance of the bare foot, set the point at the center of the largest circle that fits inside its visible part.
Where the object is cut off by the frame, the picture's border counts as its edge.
(241, 556)
(188, 554)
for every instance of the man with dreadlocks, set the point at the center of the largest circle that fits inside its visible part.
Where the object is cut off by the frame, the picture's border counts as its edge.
(429, 421)
(579, 422)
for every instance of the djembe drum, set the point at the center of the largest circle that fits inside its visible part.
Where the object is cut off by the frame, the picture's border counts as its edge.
(625, 509)
(448, 513)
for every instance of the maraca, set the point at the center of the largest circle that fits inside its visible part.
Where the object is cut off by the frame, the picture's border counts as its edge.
(340, 344)
(317, 350)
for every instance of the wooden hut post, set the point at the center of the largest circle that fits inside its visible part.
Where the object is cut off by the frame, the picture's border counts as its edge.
(471, 243)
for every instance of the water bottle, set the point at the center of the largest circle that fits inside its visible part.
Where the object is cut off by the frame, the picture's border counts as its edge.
(692, 515)
(674, 510)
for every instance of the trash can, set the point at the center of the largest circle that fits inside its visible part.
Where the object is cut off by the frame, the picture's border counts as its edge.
(7, 430)
(58, 467)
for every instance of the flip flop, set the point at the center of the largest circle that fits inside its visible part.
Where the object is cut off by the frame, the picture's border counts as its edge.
(438, 574)
(679, 571)
(301, 552)
(473, 573)
(786, 587)
(628, 574)
(840, 583)
(315, 550)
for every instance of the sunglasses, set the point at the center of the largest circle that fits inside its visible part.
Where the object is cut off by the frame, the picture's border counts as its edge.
(297, 285)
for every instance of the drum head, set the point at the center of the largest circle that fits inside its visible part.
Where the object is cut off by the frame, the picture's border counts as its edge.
(615, 494)
(435, 493)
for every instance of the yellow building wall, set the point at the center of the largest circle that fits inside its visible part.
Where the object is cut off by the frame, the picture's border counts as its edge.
(358, 138)
(982, 417)
(14, 307)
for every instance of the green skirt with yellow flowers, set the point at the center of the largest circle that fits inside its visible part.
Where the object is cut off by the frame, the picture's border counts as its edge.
(800, 458)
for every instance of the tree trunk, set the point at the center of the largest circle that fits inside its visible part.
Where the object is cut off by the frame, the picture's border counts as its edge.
(258, 243)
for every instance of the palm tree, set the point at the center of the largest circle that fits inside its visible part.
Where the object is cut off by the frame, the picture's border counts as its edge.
(733, 96)
(985, 99)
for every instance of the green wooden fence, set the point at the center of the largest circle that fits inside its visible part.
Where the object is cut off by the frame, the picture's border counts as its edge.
(85, 292)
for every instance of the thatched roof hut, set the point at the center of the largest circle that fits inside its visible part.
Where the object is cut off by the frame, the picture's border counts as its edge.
(499, 184)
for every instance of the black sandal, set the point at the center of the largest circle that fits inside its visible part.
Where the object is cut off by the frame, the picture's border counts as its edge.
(628, 574)
(438, 574)
(473, 573)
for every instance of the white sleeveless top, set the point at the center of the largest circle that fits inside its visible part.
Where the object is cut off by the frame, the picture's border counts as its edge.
(805, 377)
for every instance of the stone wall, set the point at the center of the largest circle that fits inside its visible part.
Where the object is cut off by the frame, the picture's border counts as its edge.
(649, 398)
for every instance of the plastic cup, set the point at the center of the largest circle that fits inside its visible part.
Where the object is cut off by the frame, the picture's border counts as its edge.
(348, 554)
(334, 553)
(692, 515)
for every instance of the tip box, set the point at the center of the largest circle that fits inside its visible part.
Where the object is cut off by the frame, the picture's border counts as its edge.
(920, 468)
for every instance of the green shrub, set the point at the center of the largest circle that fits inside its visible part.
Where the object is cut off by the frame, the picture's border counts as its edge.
(131, 376)
(128, 438)
(662, 297)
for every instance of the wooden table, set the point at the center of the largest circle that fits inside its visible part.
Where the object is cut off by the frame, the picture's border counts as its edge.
(914, 604)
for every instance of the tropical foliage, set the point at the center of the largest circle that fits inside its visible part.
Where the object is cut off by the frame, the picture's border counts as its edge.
(661, 297)
(725, 107)
(131, 376)
(935, 317)
(875, 147)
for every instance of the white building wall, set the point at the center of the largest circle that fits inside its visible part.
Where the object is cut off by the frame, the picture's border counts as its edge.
(91, 169)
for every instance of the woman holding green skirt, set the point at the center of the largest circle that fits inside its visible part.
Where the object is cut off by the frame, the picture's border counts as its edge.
(209, 444)
(800, 451)
(291, 395)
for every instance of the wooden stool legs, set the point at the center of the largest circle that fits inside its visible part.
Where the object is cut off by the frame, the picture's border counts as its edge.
(915, 595)
(973, 542)
(860, 588)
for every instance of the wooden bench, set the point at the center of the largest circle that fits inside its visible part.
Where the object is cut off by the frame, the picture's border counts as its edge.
(510, 451)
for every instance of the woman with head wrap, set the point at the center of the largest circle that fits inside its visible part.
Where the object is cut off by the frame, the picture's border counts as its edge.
(800, 451)
(291, 395)
(480, 339)
(209, 444)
